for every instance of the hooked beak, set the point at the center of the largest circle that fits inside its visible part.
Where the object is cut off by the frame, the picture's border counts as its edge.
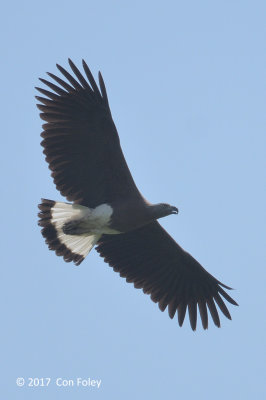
(174, 210)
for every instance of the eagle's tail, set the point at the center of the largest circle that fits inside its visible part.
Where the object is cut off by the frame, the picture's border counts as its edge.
(53, 216)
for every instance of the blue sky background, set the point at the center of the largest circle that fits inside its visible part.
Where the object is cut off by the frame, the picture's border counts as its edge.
(186, 85)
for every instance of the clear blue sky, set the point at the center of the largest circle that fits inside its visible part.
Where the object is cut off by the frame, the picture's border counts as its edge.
(186, 86)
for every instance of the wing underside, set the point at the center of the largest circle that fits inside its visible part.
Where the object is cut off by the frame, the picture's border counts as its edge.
(80, 140)
(153, 261)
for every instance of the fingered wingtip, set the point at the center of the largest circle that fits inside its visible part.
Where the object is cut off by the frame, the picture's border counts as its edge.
(70, 62)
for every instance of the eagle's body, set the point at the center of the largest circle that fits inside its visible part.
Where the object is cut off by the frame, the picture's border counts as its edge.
(82, 148)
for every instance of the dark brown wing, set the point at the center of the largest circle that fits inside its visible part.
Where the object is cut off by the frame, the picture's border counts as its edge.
(153, 261)
(81, 143)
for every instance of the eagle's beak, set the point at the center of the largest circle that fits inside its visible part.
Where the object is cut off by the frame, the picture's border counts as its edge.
(174, 210)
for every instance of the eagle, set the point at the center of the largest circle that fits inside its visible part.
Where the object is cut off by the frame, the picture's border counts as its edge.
(105, 208)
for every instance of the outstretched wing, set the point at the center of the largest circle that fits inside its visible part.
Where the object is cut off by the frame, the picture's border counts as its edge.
(153, 261)
(81, 142)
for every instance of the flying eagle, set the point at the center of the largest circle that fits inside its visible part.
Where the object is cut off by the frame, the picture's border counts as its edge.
(82, 148)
